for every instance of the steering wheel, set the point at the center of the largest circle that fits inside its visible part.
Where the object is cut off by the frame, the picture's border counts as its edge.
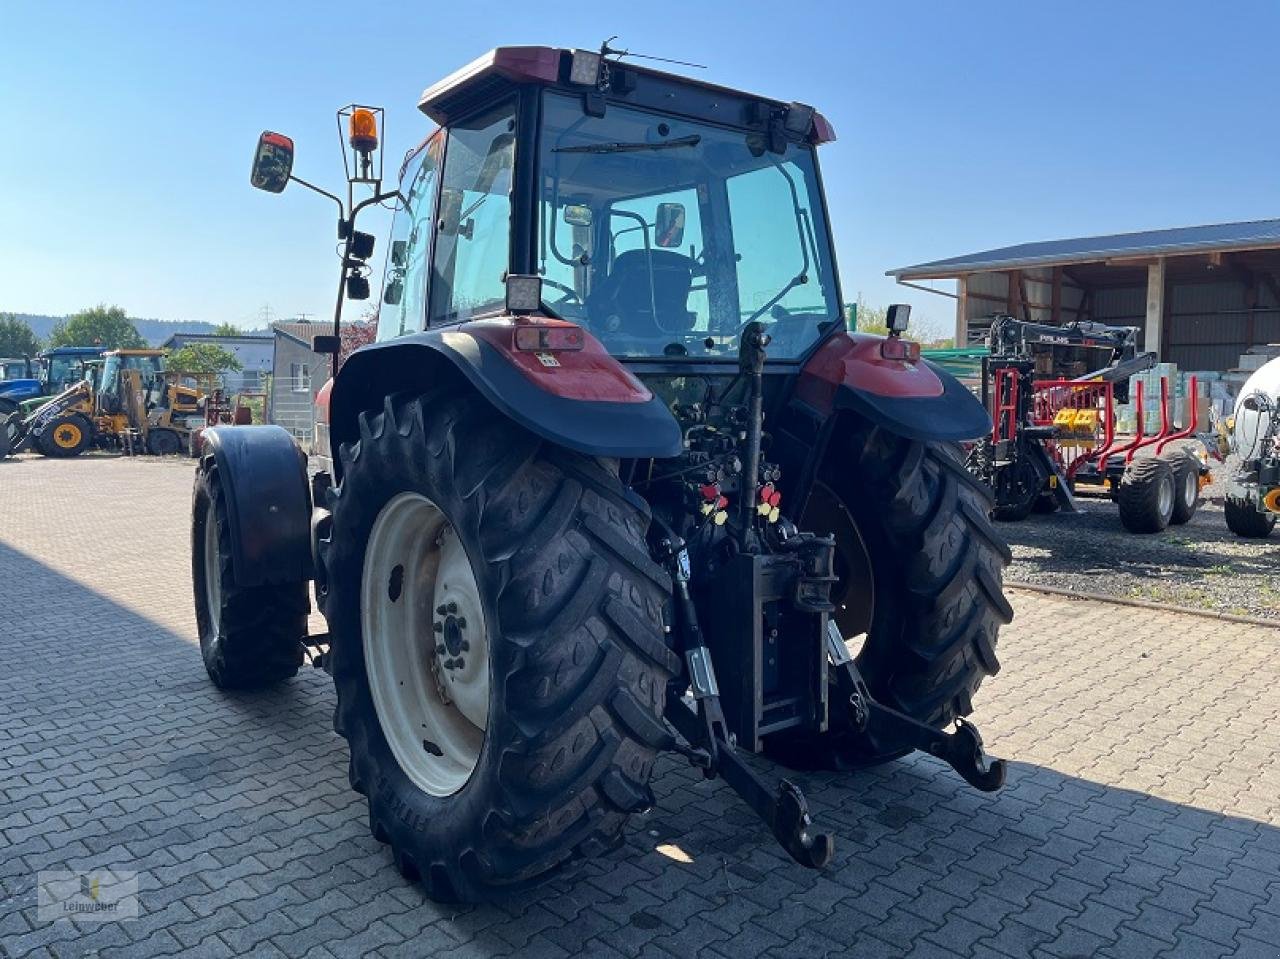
(564, 288)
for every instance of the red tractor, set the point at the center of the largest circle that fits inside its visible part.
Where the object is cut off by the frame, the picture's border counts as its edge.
(614, 480)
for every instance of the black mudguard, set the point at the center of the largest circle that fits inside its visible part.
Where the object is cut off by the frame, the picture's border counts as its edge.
(263, 474)
(422, 360)
(954, 416)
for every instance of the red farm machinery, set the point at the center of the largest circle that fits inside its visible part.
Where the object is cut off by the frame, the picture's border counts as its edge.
(1053, 393)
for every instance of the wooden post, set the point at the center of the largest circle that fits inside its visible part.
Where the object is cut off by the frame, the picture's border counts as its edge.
(962, 311)
(1055, 310)
(1155, 309)
(1013, 301)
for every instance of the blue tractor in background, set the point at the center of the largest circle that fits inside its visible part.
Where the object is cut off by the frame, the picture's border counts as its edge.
(54, 370)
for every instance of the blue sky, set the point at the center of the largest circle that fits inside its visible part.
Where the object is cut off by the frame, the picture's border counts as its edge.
(961, 127)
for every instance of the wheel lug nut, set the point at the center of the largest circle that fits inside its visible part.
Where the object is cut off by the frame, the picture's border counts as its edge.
(438, 627)
(440, 650)
(441, 610)
(462, 622)
(465, 646)
(451, 608)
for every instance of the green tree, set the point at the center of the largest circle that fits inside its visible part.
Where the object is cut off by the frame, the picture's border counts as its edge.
(226, 329)
(16, 337)
(102, 325)
(203, 358)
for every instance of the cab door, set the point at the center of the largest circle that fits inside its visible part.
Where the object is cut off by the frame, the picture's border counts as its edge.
(404, 284)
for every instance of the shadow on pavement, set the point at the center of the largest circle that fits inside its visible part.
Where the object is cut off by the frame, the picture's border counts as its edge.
(235, 809)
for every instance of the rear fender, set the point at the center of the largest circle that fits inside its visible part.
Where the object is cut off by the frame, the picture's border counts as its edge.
(584, 400)
(263, 475)
(919, 401)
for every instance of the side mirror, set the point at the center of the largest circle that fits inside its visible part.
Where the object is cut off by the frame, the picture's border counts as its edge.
(576, 214)
(272, 163)
(450, 211)
(325, 343)
(669, 229)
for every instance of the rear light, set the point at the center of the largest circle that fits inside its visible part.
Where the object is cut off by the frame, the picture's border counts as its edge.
(546, 339)
(895, 348)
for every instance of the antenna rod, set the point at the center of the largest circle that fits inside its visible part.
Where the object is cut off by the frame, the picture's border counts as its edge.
(606, 50)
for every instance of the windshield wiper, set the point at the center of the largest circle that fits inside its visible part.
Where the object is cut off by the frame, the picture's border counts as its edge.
(690, 141)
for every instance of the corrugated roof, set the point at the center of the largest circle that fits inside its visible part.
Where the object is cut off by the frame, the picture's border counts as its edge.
(1176, 241)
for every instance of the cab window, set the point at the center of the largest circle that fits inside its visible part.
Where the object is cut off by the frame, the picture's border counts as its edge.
(473, 238)
(404, 286)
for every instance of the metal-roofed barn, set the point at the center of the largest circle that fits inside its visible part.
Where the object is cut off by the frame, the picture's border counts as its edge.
(1203, 295)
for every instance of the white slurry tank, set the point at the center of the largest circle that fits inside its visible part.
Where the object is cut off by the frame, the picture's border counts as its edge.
(1253, 491)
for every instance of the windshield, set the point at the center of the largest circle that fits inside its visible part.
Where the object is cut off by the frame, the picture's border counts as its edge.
(666, 237)
(65, 371)
(13, 369)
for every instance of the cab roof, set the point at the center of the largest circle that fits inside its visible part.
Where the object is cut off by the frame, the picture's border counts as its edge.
(503, 69)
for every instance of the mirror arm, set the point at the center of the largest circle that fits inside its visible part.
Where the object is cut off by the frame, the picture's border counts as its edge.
(316, 189)
(346, 255)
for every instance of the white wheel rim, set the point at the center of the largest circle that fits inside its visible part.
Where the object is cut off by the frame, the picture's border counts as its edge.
(425, 644)
(1190, 487)
(212, 568)
(1165, 501)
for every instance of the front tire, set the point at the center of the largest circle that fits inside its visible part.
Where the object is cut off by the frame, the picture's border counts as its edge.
(570, 606)
(920, 567)
(163, 442)
(1244, 519)
(66, 436)
(250, 636)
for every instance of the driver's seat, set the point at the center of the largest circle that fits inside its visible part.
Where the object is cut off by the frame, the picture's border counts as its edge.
(625, 293)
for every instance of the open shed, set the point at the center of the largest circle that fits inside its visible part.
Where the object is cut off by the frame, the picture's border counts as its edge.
(1202, 295)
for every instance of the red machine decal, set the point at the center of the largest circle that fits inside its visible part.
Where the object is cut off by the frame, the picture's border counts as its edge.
(854, 360)
(584, 373)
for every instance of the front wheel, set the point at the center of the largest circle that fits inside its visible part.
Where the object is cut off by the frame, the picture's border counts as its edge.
(66, 436)
(919, 566)
(497, 645)
(163, 442)
(249, 635)
(1244, 519)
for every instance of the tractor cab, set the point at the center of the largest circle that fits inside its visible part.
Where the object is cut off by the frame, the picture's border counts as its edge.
(64, 366)
(149, 365)
(661, 217)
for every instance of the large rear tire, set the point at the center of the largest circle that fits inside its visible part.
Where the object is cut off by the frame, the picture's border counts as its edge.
(920, 567)
(1147, 495)
(250, 636)
(1245, 520)
(543, 554)
(67, 436)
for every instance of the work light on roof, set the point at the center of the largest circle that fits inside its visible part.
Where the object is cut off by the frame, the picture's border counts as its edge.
(584, 68)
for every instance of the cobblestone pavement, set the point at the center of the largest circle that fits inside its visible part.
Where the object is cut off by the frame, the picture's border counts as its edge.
(1141, 816)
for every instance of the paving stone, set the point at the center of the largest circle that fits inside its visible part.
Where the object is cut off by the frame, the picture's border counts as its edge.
(1141, 827)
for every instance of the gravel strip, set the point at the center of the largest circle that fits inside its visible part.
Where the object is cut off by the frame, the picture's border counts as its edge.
(1201, 565)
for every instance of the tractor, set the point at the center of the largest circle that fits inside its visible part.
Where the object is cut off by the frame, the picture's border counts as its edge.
(614, 481)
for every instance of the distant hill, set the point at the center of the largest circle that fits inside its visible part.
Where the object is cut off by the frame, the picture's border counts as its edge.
(154, 332)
